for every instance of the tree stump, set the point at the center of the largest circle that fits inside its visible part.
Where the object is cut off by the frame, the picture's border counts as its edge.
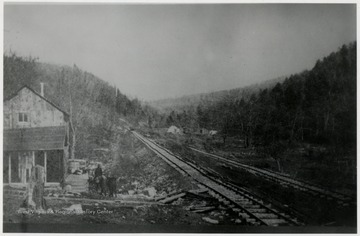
(35, 189)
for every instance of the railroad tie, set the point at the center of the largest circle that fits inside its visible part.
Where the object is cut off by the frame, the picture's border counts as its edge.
(274, 222)
(266, 215)
(256, 210)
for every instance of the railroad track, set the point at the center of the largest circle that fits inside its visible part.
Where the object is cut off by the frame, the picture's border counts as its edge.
(253, 211)
(315, 190)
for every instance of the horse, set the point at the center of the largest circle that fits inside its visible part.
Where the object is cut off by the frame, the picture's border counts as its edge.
(98, 184)
(111, 185)
(104, 185)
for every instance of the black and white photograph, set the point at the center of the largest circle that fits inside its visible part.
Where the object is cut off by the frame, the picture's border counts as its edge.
(179, 117)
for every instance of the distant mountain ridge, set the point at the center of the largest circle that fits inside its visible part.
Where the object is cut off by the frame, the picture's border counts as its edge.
(180, 103)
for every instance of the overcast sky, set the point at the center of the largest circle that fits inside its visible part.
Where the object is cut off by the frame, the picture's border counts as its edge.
(159, 51)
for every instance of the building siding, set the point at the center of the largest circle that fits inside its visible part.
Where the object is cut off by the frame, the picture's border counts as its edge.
(39, 112)
(35, 128)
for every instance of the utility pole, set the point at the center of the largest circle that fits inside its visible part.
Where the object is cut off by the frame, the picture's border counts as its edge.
(115, 100)
(71, 123)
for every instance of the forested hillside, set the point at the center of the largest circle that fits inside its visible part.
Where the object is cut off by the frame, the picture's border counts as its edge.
(184, 102)
(94, 105)
(316, 106)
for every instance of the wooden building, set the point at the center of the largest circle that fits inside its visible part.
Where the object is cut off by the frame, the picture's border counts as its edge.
(203, 131)
(36, 132)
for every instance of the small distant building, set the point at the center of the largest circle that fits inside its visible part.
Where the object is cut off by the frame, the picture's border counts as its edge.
(36, 132)
(203, 131)
(174, 130)
(212, 132)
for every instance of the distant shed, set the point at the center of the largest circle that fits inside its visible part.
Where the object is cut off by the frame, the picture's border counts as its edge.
(174, 130)
(203, 131)
(212, 132)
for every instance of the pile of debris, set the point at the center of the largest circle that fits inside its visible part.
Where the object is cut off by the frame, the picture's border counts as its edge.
(199, 201)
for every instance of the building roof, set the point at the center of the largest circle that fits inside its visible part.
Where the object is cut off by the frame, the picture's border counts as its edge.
(173, 127)
(32, 139)
(48, 101)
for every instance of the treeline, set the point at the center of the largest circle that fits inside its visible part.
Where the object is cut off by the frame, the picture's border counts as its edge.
(94, 105)
(183, 103)
(316, 106)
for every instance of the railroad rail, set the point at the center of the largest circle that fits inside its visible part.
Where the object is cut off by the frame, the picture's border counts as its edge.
(307, 187)
(250, 209)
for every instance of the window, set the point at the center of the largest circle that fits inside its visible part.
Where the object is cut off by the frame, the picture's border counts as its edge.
(23, 117)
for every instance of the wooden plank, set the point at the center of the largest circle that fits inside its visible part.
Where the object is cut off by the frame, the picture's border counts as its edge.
(274, 221)
(203, 209)
(18, 167)
(265, 215)
(24, 169)
(211, 221)
(257, 210)
(33, 158)
(173, 198)
(32, 162)
(45, 164)
(9, 168)
(201, 190)
(168, 195)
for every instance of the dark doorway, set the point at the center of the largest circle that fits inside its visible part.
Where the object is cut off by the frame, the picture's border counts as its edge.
(15, 168)
(54, 166)
(40, 158)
